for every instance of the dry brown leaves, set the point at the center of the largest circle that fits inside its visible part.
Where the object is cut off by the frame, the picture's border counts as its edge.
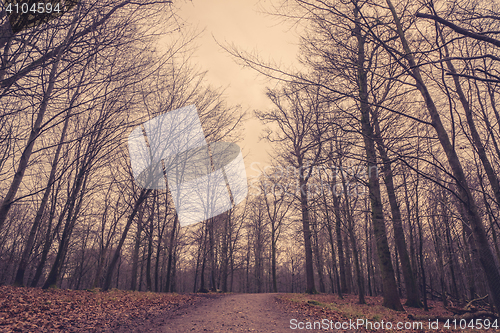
(37, 310)
(331, 307)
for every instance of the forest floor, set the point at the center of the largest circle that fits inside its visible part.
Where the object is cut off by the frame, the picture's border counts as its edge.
(37, 310)
(373, 317)
(57, 310)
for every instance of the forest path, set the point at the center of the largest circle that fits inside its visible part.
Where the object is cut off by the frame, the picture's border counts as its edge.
(232, 313)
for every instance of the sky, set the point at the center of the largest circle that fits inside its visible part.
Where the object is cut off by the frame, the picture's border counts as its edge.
(245, 24)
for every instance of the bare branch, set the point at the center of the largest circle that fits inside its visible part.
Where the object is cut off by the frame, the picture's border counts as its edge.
(460, 30)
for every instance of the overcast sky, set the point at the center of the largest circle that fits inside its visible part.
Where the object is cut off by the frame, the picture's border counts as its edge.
(244, 23)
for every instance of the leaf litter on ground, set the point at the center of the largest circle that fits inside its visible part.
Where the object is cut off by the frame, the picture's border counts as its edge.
(57, 310)
(327, 306)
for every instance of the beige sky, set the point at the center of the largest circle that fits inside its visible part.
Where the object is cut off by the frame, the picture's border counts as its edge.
(243, 23)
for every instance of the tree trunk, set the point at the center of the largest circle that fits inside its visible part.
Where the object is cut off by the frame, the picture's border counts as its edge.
(352, 236)
(212, 255)
(368, 250)
(203, 289)
(198, 257)
(421, 256)
(319, 259)
(109, 274)
(273, 258)
(137, 245)
(439, 254)
(170, 253)
(390, 291)
(49, 236)
(412, 297)
(310, 288)
(340, 245)
(73, 211)
(226, 240)
(173, 285)
(150, 246)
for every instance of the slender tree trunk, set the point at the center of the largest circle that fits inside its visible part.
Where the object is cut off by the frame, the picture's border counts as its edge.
(451, 258)
(48, 240)
(198, 257)
(173, 285)
(439, 254)
(357, 266)
(231, 258)
(161, 231)
(329, 228)
(137, 245)
(340, 245)
(213, 259)
(348, 262)
(157, 263)
(310, 288)
(203, 289)
(469, 267)
(109, 274)
(247, 264)
(411, 229)
(390, 291)
(398, 274)
(74, 206)
(319, 259)
(170, 252)
(412, 297)
(226, 240)
(368, 250)
(352, 236)
(273, 258)
(421, 257)
(150, 246)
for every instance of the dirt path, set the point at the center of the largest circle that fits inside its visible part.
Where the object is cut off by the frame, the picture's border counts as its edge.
(232, 313)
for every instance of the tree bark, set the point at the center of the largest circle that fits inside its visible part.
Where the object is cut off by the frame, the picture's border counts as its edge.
(170, 253)
(390, 290)
(340, 244)
(310, 288)
(74, 205)
(49, 236)
(149, 283)
(137, 245)
(352, 236)
(109, 274)
(412, 297)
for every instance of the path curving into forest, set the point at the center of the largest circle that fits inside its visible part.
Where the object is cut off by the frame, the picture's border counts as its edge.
(232, 313)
